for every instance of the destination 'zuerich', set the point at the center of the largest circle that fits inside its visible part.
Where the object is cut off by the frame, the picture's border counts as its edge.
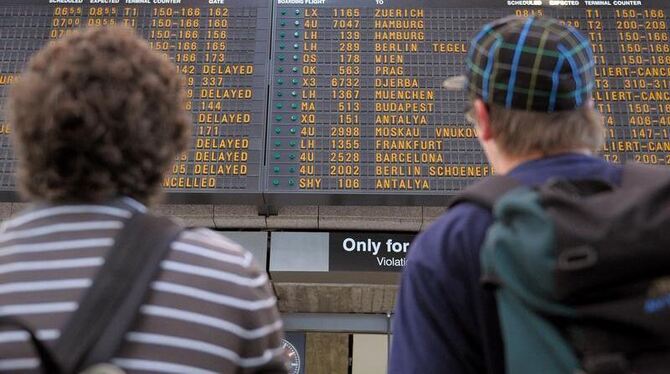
(399, 13)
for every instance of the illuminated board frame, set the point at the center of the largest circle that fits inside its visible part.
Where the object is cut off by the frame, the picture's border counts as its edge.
(266, 194)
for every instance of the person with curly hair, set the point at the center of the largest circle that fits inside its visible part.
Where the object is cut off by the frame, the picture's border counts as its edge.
(98, 119)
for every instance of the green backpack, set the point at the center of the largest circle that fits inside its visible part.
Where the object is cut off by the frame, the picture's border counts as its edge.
(581, 272)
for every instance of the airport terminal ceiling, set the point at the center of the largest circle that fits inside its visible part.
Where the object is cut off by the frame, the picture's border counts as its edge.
(340, 102)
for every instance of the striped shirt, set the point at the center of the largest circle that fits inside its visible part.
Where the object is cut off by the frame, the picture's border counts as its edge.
(210, 310)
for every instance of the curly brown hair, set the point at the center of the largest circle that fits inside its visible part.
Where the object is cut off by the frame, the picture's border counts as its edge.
(96, 115)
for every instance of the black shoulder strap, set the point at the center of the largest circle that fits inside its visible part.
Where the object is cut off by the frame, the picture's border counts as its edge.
(96, 330)
(46, 360)
(487, 191)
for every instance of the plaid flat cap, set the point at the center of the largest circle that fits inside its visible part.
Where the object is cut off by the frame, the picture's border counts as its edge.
(534, 64)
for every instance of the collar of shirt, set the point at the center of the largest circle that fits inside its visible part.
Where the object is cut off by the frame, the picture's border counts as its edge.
(124, 202)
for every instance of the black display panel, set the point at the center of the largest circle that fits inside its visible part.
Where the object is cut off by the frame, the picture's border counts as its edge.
(357, 114)
(221, 48)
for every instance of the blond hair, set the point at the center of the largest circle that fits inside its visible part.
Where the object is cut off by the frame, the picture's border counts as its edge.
(520, 133)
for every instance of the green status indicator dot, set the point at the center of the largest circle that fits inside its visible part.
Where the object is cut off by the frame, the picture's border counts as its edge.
(280, 81)
(275, 182)
(276, 155)
(281, 69)
(294, 94)
(292, 130)
(282, 46)
(283, 23)
(281, 57)
(294, 106)
(294, 118)
(294, 81)
(296, 34)
(282, 34)
(292, 143)
(297, 23)
(278, 118)
(291, 156)
(276, 169)
(295, 57)
(280, 94)
(277, 130)
(291, 169)
(280, 105)
(277, 143)
(295, 69)
(283, 12)
(296, 46)
(291, 182)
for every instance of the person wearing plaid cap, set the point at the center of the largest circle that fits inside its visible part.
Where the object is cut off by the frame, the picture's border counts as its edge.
(529, 83)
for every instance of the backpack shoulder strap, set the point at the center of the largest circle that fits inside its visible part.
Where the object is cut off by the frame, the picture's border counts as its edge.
(96, 330)
(486, 191)
(47, 363)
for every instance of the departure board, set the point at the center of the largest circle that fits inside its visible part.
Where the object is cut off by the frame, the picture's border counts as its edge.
(220, 47)
(357, 112)
(340, 101)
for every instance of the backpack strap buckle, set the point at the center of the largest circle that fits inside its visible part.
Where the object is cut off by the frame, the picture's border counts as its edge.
(606, 363)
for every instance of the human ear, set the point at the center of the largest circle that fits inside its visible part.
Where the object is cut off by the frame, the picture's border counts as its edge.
(483, 120)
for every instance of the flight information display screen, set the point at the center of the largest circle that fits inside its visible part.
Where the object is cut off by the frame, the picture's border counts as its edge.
(357, 110)
(340, 101)
(220, 47)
